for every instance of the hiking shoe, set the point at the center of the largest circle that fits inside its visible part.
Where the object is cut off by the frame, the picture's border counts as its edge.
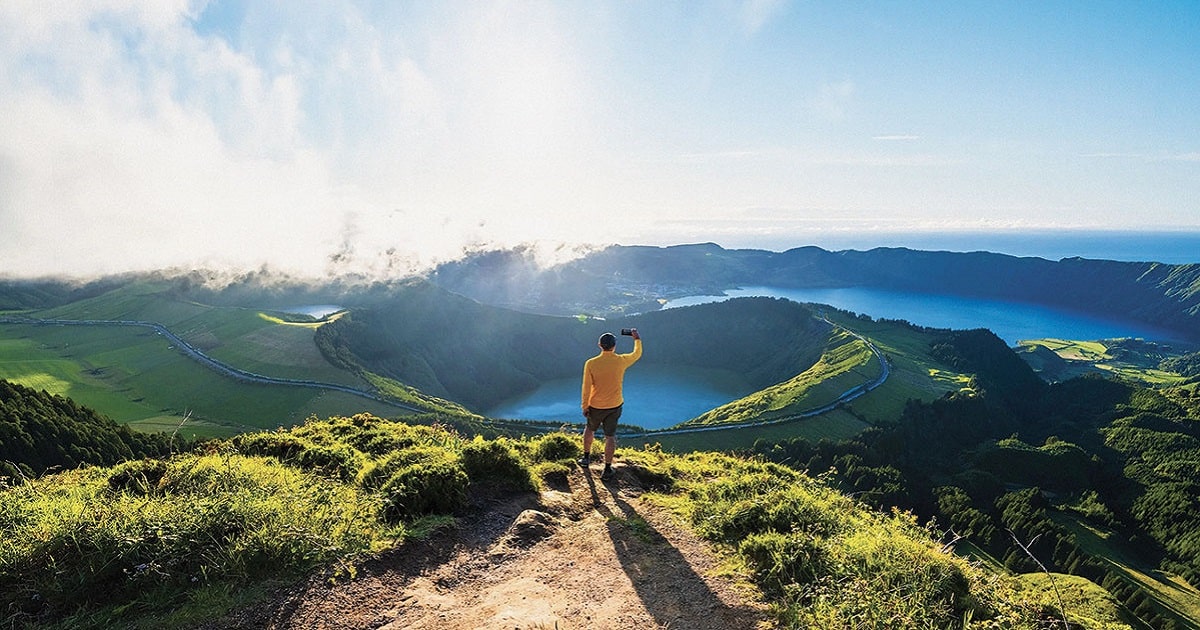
(607, 474)
(584, 461)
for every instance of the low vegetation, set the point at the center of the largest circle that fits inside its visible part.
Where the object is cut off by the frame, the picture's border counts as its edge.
(846, 364)
(1093, 477)
(1145, 362)
(173, 541)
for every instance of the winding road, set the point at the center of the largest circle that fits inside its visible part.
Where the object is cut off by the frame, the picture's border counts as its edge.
(219, 366)
(845, 397)
(243, 375)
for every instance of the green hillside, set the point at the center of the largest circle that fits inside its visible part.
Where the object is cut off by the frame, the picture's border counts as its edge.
(1130, 359)
(622, 279)
(423, 346)
(140, 378)
(41, 432)
(455, 348)
(1095, 476)
(176, 541)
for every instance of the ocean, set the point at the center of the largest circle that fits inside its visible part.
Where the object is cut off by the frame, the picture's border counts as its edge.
(1180, 247)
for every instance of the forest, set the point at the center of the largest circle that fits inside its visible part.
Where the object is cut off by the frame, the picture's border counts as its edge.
(40, 432)
(1015, 462)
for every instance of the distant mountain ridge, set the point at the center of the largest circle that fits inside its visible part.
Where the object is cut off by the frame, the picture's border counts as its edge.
(638, 277)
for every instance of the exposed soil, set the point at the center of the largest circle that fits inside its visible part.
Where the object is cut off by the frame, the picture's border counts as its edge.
(591, 554)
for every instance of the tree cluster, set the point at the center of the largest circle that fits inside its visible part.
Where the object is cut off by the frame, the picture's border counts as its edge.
(40, 431)
(1017, 460)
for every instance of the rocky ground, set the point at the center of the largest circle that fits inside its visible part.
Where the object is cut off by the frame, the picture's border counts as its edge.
(589, 554)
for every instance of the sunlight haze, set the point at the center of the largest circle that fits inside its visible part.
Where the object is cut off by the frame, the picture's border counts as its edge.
(382, 137)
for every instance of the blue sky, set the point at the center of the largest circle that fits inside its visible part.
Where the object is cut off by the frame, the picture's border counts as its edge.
(382, 136)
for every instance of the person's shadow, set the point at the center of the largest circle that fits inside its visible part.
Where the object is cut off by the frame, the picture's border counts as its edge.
(669, 588)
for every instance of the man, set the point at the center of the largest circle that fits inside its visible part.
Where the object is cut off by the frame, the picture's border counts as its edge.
(603, 376)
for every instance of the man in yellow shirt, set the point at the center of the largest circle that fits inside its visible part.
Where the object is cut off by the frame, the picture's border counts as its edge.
(602, 399)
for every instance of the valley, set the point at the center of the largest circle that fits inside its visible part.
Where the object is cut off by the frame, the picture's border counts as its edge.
(1077, 442)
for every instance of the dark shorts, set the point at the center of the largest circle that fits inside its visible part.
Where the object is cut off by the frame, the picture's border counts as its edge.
(606, 418)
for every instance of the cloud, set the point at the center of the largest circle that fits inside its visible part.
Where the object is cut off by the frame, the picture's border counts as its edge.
(140, 135)
(833, 100)
(754, 14)
(119, 161)
(896, 138)
(1193, 156)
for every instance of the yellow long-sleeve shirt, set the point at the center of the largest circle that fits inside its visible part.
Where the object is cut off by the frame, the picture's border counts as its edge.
(603, 375)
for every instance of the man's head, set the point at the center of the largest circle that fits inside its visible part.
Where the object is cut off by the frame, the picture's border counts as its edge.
(608, 341)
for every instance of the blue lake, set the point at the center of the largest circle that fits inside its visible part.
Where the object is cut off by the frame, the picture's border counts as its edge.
(1011, 321)
(316, 311)
(658, 396)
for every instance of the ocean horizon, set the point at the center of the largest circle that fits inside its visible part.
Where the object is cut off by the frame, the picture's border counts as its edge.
(1171, 247)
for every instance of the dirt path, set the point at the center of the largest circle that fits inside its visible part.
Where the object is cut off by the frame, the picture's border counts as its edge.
(589, 554)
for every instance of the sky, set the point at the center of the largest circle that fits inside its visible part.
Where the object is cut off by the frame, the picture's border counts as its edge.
(381, 137)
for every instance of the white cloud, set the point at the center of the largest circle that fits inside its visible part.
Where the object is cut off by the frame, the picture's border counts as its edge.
(754, 14)
(896, 138)
(833, 100)
(139, 142)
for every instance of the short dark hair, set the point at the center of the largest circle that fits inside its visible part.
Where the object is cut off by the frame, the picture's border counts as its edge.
(608, 341)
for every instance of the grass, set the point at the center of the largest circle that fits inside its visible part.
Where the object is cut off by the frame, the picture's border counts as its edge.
(1110, 358)
(96, 544)
(823, 560)
(134, 376)
(1169, 591)
(915, 374)
(833, 425)
(1087, 605)
(184, 539)
(846, 363)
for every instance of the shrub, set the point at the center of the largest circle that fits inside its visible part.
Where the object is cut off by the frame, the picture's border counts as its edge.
(554, 474)
(322, 454)
(141, 476)
(555, 447)
(376, 475)
(782, 560)
(433, 486)
(337, 461)
(783, 510)
(494, 462)
(280, 445)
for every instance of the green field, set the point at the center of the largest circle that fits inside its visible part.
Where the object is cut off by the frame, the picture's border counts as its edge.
(1062, 359)
(136, 377)
(915, 374)
(846, 363)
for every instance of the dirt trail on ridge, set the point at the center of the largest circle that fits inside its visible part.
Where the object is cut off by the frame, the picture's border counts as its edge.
(587, 554)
